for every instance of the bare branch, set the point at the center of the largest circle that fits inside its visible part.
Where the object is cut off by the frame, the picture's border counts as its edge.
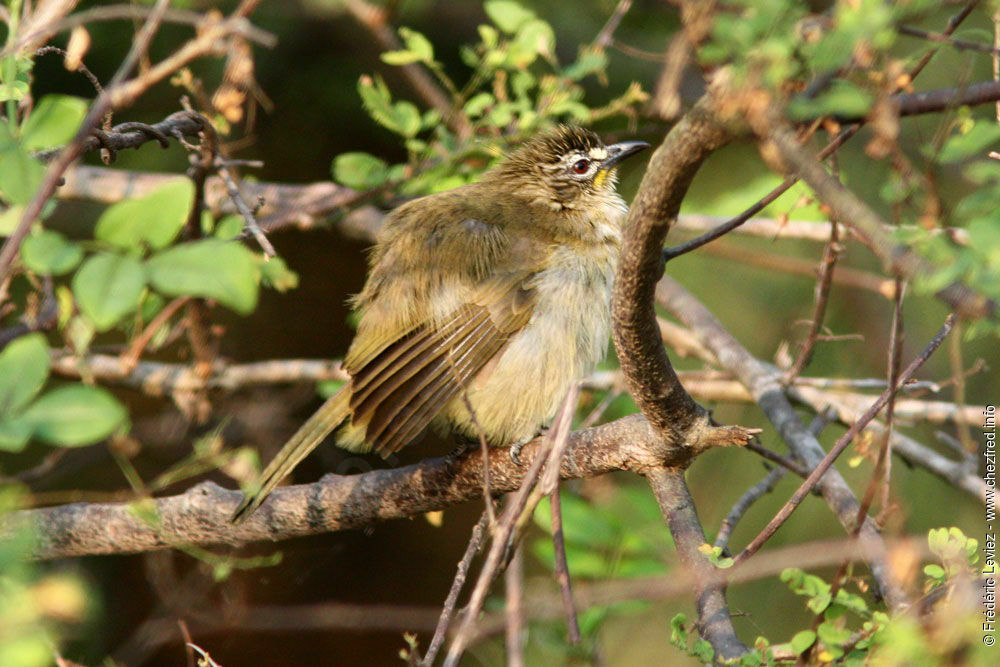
(714, 622)
(842, 444)
(764, 384)
(200, 516)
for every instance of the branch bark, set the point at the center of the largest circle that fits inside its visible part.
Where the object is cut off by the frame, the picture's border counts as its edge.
(200, 516)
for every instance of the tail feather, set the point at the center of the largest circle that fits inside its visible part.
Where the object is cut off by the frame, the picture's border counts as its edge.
(325, 420)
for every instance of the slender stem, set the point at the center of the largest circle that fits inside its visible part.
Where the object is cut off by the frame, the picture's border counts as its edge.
(824, 465)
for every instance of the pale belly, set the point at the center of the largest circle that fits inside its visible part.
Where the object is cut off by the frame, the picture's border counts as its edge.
(565, 338)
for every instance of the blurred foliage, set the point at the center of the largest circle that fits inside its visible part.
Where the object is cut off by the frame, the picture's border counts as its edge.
(516, 88)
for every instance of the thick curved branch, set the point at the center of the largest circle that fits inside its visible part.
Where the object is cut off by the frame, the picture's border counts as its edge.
(651, 379)
(200, 516)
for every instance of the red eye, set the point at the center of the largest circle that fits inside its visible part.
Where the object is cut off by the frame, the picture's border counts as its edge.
(581, 166)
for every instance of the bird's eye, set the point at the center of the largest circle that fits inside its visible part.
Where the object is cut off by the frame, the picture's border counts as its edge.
(581, 166)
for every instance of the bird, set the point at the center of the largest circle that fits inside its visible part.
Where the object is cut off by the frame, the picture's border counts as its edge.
(493, 296)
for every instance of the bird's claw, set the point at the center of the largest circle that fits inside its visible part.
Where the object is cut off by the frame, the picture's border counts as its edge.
(515, 451)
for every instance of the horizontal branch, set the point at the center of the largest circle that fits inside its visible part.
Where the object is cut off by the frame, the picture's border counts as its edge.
(200, 516)
(162, 379)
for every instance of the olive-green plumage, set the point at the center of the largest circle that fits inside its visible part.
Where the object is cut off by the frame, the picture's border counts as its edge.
(498, 288)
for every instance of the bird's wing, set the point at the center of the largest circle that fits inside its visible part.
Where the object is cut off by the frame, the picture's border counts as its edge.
(443, 298)
(399, 392)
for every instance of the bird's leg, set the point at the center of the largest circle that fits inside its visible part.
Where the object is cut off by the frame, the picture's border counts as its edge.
(462, 445)
(515, 449)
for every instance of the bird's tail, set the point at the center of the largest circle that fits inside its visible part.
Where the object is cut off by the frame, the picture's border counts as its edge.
(327, 418)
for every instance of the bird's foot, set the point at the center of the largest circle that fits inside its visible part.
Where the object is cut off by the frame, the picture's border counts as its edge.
(515, 450)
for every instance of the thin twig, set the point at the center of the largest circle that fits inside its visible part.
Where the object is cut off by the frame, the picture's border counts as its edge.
(840, 446)
(515, 512)
(130, 357)
(561, 569)
(53, 175)
(448, 610)
(514, 609)
(960, 44)
(606, 36)
(740, 507)
(822, 297)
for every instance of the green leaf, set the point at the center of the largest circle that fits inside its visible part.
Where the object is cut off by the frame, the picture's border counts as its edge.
(54, 121)
(24, 367)
(229, 227)
(75, 415)
(841, 99)
(400, 57)
(49, 253)
(276, 274)
(20, 174)
(14, 434)
(107, 287)
(508, 15)
(210, 268)
(934, 571)
(416, 43)
(976, 142)
(534, 38)
(9, 219)
(588, 62)
(802, 641)
(360, 171)
(406, 118)
(155, 219)
(832, 635)
(477, 104)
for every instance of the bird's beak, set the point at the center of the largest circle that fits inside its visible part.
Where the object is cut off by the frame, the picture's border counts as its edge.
(620, 151)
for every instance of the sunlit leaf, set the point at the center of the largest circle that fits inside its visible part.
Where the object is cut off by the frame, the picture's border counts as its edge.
(210, 268)
(107, 287)
(155, 219)
(54, 121)
(75, 415)
(24, 367)
(50, 253)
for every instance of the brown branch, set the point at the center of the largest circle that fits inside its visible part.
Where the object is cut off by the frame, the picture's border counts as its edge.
(53, 175)
(714, 622)
(200, 516)
(164, 379)
(514, 608)
(740, 507)
(448, 610)
(822, 297)
(561, 569)
(650, 378)
(774, 229)
(137, 13)
(841, 445)
(606, 36)
(284, 205)
(960, 44)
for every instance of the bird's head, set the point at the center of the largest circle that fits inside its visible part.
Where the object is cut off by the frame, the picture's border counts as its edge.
(567, 167)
